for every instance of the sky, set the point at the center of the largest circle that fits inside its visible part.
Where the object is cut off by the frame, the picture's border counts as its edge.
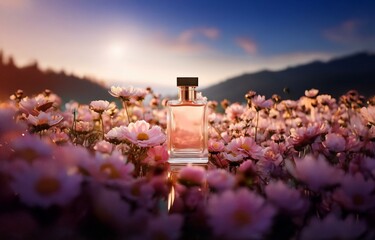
(151, 42)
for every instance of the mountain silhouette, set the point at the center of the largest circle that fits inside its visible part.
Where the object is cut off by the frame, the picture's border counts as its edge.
(32, 81)
(335, 77)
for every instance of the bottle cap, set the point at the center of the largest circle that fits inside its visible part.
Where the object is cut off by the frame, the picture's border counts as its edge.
(187, 81)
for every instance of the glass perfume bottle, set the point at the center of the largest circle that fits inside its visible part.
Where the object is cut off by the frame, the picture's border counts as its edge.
(187, 125)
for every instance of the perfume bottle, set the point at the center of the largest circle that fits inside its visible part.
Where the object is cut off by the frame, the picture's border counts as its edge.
(187, 125)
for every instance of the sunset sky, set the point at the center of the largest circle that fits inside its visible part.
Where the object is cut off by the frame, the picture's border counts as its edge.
(151, 42)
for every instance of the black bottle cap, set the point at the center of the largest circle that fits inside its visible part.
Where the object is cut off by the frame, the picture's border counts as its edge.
(187, 81)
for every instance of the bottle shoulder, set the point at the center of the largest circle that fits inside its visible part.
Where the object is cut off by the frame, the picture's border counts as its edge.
(172, 103)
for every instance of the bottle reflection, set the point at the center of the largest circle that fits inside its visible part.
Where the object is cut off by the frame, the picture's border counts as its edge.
(188, 186)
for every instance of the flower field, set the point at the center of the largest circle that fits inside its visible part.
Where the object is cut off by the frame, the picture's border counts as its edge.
(278, 169)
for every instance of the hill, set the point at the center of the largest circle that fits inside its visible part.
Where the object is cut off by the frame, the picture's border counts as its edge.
(334, 77)
(32, 80)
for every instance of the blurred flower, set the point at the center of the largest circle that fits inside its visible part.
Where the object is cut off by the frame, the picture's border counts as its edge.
(239, 215)
(286, 198)
(192, 176)
(316, 172)
(332, 227)
(45, 184)
(166, 227)
(355, 193)
(103, 147)
(220, 180)
(334, 142)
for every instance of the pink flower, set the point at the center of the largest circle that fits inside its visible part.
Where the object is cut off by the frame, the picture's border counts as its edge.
(316, 172)
(244, 146)
(112, 168)
(234, 111)
(303, 136)
(311, 93)
(260, 102)
(44, 120)
(104, 147)
(215, 146)
(239, 215)
(286, 198)
(369, 114)
(192, 175)
(140, 93)
(220, 179)
(123, 93)
(332, 227)
(156, 155)
(30, 148)
(99, 106)
(355, 193)
(143, 135)
(44, 184)
(334, 142)
(117, 134)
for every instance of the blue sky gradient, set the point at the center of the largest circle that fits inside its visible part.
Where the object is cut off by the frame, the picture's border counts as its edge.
(154, 41)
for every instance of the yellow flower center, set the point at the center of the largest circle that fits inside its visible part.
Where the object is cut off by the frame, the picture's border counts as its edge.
(142, 136)
(110, 170)
(47, 186)
(245, 147)
(241, 218)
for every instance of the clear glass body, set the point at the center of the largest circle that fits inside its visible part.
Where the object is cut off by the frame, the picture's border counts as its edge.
(187, 130)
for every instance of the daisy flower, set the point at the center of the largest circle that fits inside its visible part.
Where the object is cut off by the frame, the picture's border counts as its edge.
(99, 106)
(43, 184)
(192, 176)
(142, 134)
(43, 120)
(239, 215)
(125, 94)
(316, 172)
(156, 155)
(244, 146)
(260, 102)
(334, 142)
(355, 193)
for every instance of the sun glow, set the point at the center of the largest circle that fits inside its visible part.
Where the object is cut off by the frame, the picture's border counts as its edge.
(116, 50)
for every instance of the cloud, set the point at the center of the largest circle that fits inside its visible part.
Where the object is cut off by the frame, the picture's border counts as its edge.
(352, 32)
(188, 41)
(247, 44)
